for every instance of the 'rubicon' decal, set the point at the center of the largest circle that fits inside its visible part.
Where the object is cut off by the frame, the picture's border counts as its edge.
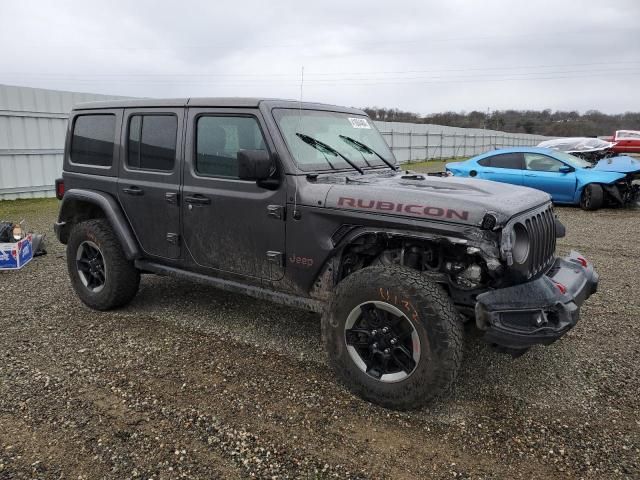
(413, 209)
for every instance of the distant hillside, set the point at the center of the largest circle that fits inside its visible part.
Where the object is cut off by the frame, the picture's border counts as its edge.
(545, 122)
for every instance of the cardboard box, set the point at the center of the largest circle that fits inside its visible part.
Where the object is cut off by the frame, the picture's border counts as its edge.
(14, 256)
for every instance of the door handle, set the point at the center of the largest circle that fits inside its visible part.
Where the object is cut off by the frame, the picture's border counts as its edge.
(529, 174)
(197, 200)
(133, 190)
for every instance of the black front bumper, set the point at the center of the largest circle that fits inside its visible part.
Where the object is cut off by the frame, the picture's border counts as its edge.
(540, 311)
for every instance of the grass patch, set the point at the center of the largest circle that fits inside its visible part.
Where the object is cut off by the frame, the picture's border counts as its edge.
(430, 166)
(17, 210)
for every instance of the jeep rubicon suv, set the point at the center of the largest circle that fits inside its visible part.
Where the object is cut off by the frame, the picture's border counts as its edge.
(304, 204)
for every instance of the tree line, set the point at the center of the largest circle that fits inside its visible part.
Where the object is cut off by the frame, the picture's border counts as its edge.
(540, 122)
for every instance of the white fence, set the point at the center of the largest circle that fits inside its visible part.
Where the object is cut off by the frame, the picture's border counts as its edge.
(33, 124)
(415, 142)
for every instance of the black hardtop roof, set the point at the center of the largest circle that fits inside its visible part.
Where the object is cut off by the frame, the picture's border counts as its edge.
(225, 102)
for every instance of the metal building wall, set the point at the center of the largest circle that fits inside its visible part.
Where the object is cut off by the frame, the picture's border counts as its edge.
(415, 142)
(33, 124)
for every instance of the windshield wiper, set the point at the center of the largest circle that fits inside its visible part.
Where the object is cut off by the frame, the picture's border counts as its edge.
(361, 147)
(323, 147)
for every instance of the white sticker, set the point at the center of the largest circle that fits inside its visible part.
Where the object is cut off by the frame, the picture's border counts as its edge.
(359, 123)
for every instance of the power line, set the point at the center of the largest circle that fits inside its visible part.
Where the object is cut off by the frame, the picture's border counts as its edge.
(477, 78)
(326, 74)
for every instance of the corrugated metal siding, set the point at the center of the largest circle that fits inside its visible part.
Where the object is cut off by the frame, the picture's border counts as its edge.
(415, 142)
(33, 124)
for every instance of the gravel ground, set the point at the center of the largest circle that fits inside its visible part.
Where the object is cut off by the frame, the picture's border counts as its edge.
(191, 382)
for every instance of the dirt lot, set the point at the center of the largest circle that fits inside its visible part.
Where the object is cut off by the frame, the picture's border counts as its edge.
(190, 382)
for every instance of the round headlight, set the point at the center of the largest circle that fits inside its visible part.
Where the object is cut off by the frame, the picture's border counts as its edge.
(520, 243)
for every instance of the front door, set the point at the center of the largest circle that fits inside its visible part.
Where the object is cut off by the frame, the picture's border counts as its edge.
(231, 225)
(149, 181)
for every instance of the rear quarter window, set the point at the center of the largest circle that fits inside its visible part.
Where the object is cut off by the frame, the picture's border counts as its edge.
(92, 140)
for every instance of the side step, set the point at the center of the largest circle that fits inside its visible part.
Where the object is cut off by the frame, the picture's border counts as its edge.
(235, 287)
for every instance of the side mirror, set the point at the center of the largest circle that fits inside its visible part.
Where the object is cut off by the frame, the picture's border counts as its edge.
(254, 165)
(566, 169)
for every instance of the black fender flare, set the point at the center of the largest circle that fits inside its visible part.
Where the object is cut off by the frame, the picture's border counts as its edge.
(112, 212)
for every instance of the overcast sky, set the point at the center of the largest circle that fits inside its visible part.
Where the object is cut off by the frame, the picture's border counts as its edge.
(422, 56)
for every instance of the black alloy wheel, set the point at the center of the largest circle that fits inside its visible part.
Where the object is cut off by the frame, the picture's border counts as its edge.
(382, 341)
(90, 265)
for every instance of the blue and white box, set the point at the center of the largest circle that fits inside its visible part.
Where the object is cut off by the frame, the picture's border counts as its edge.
(14, 256)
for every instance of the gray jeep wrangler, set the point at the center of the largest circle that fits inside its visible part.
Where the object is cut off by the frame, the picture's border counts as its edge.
(304, 204)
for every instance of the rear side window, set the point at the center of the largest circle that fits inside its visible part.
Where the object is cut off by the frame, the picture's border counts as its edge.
(152, 142)
(92, 140)
(218, 140)
(504, 160)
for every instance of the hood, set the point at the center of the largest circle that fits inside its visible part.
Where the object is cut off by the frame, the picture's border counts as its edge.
(620, 164)
(451, 199)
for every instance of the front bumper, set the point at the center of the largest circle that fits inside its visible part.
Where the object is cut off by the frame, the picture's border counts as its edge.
(537, 312)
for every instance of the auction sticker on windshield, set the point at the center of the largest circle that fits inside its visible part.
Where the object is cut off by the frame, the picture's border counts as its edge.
(359, 123)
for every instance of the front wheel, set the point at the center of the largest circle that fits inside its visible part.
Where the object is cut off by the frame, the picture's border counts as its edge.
(393, 337)
(592, 197)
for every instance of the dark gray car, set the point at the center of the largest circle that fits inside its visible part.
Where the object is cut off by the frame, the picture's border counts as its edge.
(303, 204)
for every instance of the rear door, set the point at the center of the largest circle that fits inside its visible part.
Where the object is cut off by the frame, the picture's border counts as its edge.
(149, 181)
(231, 225)
(543, 173)
(503, 167)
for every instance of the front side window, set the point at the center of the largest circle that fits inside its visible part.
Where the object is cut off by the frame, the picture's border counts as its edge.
(152, 142)
(542, 163)
(332, 129)
(92, 140)
(504, 160)
(218, 140)
(572, 160)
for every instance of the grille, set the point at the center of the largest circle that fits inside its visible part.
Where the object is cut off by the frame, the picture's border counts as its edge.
(541, 228)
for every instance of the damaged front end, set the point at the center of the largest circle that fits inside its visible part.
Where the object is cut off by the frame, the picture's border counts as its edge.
(539, 311)
(543, 301)
(625, 192)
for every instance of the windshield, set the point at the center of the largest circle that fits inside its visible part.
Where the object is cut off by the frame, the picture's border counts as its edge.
(327, 127)
(572, 160)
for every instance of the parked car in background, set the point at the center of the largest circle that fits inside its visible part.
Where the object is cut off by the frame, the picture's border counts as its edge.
(567, 178)
(625, 141)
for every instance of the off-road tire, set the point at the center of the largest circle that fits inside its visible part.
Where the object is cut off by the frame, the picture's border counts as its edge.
(122, 278)
(592, 197)
(433, 315)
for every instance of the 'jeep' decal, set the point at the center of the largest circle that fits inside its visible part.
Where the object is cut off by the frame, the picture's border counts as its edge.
(413, 209)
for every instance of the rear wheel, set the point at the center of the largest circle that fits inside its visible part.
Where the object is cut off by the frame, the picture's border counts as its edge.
(393, 337)
(592, 197)
(100, 273)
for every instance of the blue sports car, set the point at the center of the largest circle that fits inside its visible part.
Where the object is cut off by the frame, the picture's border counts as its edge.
(566, 178)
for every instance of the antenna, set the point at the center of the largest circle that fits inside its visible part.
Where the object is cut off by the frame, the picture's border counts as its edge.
(300, 101)
(296, 213)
